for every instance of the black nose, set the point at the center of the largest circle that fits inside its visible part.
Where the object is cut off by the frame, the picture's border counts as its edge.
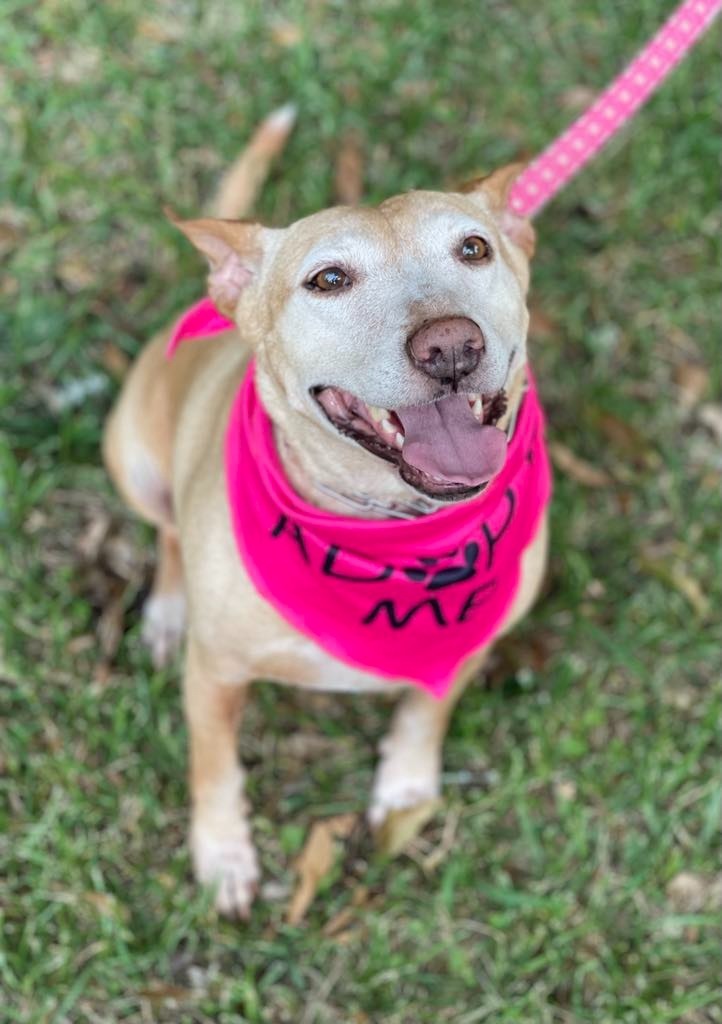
(447, 349)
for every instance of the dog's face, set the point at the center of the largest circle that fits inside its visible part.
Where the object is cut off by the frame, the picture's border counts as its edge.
(395, 329)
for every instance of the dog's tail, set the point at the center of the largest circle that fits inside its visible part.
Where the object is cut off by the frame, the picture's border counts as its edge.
(241, 184)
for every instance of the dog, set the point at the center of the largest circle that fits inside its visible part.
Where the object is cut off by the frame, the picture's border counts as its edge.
(361, 384)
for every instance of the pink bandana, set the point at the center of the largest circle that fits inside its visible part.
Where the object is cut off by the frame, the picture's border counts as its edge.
(408, 600)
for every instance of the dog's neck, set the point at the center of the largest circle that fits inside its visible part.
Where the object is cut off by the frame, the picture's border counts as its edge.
(376, 491)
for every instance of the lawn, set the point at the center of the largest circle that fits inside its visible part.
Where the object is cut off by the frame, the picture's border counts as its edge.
(583, 884)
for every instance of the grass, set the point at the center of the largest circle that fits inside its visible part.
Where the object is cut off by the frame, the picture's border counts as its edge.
(583, 885)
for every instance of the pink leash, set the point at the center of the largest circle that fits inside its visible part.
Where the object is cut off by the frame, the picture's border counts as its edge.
(560, 161)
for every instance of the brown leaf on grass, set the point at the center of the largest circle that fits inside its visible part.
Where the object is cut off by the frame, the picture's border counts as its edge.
(541, 325)
(692, 380)
(674, 575)
(161, 992)
(316, 860)
(711, 416)
(110, 625)
(578, 97)
(577, 468)
(76, 273)
(401, 827)
(689, 893)
(286, 34)
(348, 177)
(629, 441)
(91, 538)
(114, 360)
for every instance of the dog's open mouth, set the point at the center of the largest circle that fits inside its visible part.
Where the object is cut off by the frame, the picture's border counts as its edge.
(448, 449)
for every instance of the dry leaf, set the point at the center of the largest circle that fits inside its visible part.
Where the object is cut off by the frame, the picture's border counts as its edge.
(577, 468)
(348, 179)
(339, 922)
(91, 540)
(578, 97)
(674, 575)
(401, 827)
(286, 34)
(686, 892)
(316, 860)
(711, 416)
(160, 992)
(114, 360)
(110, 625)
(541, 325)
(76, 273)
(627, 439)
(692, 379)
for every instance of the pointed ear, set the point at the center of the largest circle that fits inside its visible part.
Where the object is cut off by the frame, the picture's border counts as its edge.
(495, 187)
(234, 250)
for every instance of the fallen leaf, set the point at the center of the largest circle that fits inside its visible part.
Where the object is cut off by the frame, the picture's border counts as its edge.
(577, 468)
(160, 992)
(114, 360)
(675, 575)
(692, 380)
(110, 625)
(686, 892)
(401, 827)
(339, 922)
(711, 416)
(286, 34)
(316, 860)
(565, 790)
(541, 325)
(348, 178)
(76, 273)
(578, 97)
(107, 905)
(627, 439)
(440, 852)
(90, 541)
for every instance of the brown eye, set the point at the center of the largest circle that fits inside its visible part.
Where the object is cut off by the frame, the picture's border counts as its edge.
(474, 249)
(332, 279)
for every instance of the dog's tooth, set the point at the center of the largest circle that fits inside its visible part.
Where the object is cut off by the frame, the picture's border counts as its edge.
(400, 439)
(387, 425)
(478, 407)
(378, 413)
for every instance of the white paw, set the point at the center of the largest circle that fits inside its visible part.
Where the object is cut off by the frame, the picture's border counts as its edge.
(164, 623)
(227, 861)
(398, 786)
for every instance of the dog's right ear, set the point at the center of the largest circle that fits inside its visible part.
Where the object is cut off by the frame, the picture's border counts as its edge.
(234, 250)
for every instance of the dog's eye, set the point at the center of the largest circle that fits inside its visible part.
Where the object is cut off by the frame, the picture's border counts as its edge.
(332, 279)
(475, 250)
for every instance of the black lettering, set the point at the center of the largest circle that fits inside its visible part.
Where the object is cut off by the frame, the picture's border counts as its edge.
(330, 560)
(493, 539)
(457, 573)
(398, 623)
(284, 525)
(476, 598)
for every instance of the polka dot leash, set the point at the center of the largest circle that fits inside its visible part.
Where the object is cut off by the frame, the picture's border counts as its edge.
(560, 161)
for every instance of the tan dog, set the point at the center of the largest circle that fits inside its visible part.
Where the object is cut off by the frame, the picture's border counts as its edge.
(362, 298)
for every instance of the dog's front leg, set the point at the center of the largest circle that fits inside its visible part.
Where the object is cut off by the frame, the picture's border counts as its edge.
(221, 845)
(409, 771)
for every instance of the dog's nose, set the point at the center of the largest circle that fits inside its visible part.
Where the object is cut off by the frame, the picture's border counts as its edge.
(447, 349)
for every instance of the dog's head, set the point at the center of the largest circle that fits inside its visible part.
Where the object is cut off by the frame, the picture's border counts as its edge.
(385, 337)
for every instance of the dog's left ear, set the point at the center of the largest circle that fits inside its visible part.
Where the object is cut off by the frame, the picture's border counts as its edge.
(234, 250)
(495, 188)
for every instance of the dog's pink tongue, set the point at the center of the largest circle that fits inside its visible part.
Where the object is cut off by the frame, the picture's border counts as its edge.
(446, 441)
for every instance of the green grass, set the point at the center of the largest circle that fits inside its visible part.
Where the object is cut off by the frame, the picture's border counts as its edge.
(583, 774)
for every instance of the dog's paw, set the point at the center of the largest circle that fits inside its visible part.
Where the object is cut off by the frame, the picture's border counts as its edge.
(226, 861)
(400, 786)
(164, 623)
